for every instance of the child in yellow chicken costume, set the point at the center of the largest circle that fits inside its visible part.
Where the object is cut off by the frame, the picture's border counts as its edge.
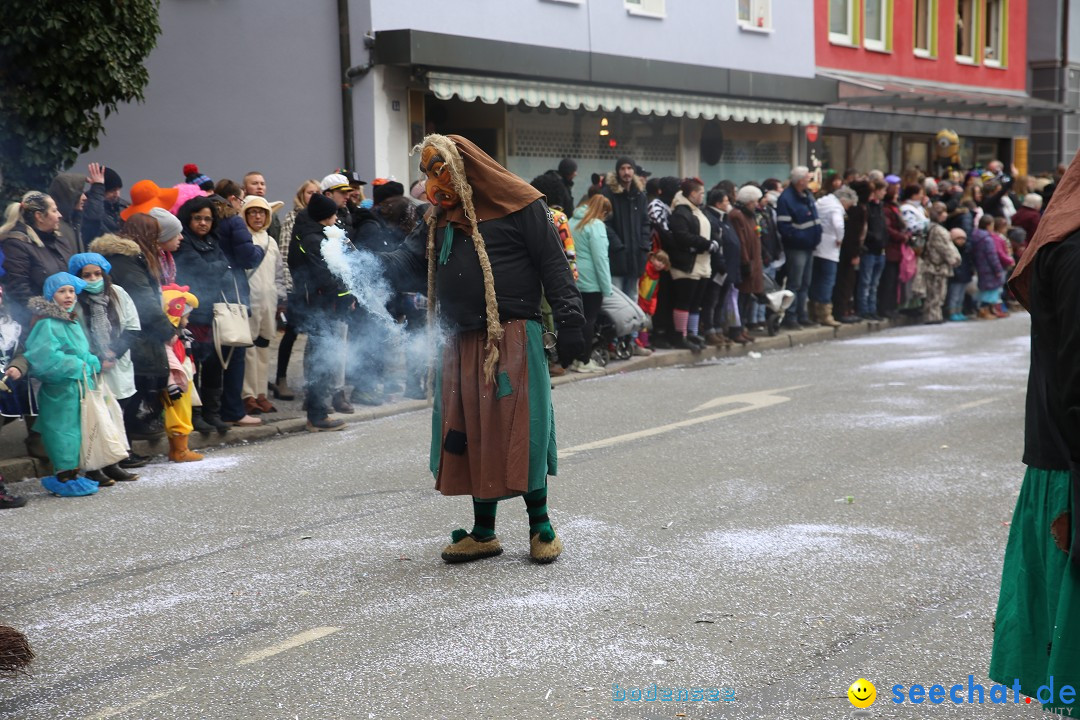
(177, 397)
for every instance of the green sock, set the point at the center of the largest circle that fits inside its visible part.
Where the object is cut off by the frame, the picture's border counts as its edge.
(484, 518)
(536, 505)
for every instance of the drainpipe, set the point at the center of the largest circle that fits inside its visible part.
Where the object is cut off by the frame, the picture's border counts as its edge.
(349, 73)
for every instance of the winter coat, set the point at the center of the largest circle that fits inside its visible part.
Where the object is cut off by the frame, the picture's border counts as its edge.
(648, 289)
(915, 219)
(987, 262)
(120, 378)
(591, 246)
(234, 239)
(965, 271)
(65, 190)
(940, 255)
(59, 356)
(27, 262)
(877, 231)
(201, 264)
(831, 211)
(897, 231)
(771, 248)
(750, 266)
(100, 216)
(526, 256)
(854, 232)
(691, 235)
(631, 237)
(371, 232)
(267, 284)
(564, 198)
(797, 220)
(1027, 218)
(286, 240)
(314, 286)
(131, 272)
(730, 254)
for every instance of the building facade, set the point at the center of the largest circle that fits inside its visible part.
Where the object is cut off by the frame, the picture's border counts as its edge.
(910, 68)
(1054, 61)
(719, 89)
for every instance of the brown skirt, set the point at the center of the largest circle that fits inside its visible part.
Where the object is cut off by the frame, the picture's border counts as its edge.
(497, 440)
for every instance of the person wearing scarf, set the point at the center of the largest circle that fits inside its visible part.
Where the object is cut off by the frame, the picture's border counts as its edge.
(488, 251)
(1038, 613)
(59, 356)
(111, 323)
(691, 262)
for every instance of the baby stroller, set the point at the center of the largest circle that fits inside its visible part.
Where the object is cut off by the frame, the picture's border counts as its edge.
(776, 302)
(619, 321)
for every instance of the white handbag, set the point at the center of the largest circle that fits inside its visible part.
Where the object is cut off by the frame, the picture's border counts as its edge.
(231, 326)
(103, 440)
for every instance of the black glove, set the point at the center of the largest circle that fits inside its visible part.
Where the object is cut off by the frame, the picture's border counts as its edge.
(570, 345)
(261, 342)
(174, 392)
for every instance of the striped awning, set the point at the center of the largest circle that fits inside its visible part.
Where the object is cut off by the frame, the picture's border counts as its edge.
(534, 93)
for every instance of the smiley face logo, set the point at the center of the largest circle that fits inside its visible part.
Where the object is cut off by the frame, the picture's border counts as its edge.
(862, 693)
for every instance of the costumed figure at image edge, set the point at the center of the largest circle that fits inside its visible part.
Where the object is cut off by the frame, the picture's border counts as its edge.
(179, 397)
(489, 250)
(1038, 614)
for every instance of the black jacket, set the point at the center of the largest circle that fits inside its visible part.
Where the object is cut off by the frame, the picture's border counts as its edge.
(527, 260)
(28, 263)
(730, 246)
(686, 239)
(314, 286)
(202, 265)
(877, 234)
(631, 236)
(131, 272)
(99, 216)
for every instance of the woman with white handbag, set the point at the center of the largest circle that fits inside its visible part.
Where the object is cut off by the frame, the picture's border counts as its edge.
(218, 350)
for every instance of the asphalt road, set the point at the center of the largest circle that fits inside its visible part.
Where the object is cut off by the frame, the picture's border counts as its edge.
(705, 547)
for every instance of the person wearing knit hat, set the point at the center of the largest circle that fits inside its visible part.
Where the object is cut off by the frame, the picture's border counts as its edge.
(103, 203)
(630, 221)
(386, 190)
(487, 224)
(318, 301)
(59, 356)
(110, 321)
(180, 393)
(192, 176)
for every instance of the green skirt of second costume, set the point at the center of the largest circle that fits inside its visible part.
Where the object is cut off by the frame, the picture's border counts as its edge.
(1037, 626)
(479, 432)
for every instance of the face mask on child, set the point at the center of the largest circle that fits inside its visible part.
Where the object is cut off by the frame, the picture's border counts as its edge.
(96, 287)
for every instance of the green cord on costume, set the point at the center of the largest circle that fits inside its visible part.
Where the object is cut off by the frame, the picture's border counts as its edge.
(536, 505)
(447, 244)
(483, 521)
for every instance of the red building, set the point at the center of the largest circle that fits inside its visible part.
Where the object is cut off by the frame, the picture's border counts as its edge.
(910, 68)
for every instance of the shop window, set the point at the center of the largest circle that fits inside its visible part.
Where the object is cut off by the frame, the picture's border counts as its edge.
(834, 152)
(878, 15)
(870, 151)
(994, 28)
(965, 29)
(926, 28)
(646, 8)
(842, 21)
(755, 14)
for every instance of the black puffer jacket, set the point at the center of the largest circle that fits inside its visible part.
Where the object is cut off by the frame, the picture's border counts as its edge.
(631, 236)
(131, 272)
(314, 286)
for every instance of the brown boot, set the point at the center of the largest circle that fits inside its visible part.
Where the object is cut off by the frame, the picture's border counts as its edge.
(265, 405)
(985, 314)
(825, 315)
(178, 450)
(251, 406)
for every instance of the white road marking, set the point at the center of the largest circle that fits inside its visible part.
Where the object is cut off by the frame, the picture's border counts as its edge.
(752, 401)
(973, 404)
(113, 712)
(293, 642)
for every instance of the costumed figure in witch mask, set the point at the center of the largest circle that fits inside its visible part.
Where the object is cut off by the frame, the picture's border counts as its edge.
(489, 251)
(1038, 614)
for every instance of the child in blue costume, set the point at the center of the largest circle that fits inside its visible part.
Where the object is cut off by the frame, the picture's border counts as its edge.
(59, 356)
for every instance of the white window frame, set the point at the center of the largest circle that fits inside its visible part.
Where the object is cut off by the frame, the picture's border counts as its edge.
(975, 39)
(849, 37)
(931, 22)
(1000, 13)
(646, 8)
(881, 45)
(759, 9)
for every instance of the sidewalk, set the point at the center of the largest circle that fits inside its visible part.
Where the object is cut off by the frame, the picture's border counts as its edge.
(16, 466)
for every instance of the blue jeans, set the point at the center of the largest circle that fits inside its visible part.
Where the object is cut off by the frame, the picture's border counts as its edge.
(800, 272)
(866, 287)
(823, 281)
(954, 298)
(627, 283)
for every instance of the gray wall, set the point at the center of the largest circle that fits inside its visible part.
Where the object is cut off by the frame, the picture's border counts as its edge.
(235, 85)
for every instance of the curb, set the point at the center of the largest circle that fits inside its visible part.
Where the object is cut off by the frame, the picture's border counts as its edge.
(25, 468)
